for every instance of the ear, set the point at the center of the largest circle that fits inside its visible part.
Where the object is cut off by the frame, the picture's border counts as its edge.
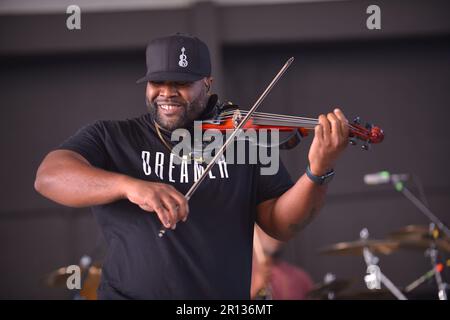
(208, 83)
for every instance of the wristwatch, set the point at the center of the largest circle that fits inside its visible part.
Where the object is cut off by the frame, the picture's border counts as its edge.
(320, 180)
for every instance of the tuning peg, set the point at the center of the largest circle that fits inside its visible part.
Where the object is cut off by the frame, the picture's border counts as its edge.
(353, 141)
(366, 145)
(357, 120)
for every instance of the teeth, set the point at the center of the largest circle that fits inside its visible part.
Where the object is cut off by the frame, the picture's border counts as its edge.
(168, 106)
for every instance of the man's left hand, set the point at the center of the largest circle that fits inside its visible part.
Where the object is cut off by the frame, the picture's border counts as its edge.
(330, 139)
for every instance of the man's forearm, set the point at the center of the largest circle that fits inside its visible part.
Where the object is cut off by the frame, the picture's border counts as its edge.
(282, 217)
(296, 207)
(75, 183)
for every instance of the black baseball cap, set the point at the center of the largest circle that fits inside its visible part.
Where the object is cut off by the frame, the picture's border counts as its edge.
(179, 57)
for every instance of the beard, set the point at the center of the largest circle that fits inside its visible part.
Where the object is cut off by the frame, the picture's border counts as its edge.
(188, 113)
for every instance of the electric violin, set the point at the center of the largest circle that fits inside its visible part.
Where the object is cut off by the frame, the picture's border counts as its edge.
(229, 117)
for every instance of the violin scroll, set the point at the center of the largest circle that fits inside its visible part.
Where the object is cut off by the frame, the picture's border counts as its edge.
(368, 133)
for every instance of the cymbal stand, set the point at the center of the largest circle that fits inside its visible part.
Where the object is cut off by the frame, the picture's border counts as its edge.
(328, 279)
(375, 277)
(432, 252)
(435, 222)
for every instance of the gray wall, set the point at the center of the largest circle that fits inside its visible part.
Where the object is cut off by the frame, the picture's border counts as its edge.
(53, 81)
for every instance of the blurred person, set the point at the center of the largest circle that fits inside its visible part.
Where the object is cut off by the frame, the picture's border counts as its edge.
(273, 278)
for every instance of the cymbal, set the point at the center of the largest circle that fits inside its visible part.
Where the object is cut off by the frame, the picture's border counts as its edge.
(414, 231)
(357, 247)
(423, 244)
(321, 290)
(419, 237)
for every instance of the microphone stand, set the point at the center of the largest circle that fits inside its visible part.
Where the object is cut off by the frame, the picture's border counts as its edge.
(432, 251)
(400, 187)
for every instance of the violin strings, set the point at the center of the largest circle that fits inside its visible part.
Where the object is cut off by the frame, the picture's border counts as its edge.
(304, 124)
(284, 120)
(289, 123)
(281, 122)
(308, 124)
(275, 118)
(264, 113)
(243, 112)
(311, 123)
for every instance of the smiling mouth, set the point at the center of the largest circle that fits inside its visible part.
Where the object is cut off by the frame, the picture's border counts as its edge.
(170, 109)
(169, 106)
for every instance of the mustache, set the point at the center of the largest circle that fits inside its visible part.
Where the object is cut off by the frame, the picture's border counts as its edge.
(172, 102)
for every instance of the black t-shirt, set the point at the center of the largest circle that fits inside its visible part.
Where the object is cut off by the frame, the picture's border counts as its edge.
(206, 257)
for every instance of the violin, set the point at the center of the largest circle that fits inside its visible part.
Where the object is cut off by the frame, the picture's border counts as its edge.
(228, 117)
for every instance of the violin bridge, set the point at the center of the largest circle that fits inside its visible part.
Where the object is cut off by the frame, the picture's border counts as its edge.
(237, 117)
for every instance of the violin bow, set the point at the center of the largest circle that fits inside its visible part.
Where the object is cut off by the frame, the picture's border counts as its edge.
(230, 139)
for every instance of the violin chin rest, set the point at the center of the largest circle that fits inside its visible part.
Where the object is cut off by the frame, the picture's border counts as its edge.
(292, 141)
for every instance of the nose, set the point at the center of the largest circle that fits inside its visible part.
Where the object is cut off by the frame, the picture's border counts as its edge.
(168, 90)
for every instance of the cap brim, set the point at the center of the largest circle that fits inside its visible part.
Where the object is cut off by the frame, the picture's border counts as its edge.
(171, 76)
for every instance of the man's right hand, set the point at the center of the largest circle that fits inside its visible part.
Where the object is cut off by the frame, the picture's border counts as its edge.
(163, 199)
(67, 178)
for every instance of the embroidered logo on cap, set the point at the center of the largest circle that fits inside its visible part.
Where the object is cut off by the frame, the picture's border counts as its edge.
(183, 59)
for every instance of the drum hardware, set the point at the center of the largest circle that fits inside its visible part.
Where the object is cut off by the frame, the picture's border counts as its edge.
(413, 285)
(356, 248)
(90, 267)
(329, 288)
(434, 243)
(375, 277)
(90, 281)
(436, 226)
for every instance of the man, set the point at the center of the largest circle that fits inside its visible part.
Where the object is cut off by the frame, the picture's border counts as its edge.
(127, 173)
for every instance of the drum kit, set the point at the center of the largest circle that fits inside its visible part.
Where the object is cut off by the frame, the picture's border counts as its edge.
(412, 237)
(433, 239)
